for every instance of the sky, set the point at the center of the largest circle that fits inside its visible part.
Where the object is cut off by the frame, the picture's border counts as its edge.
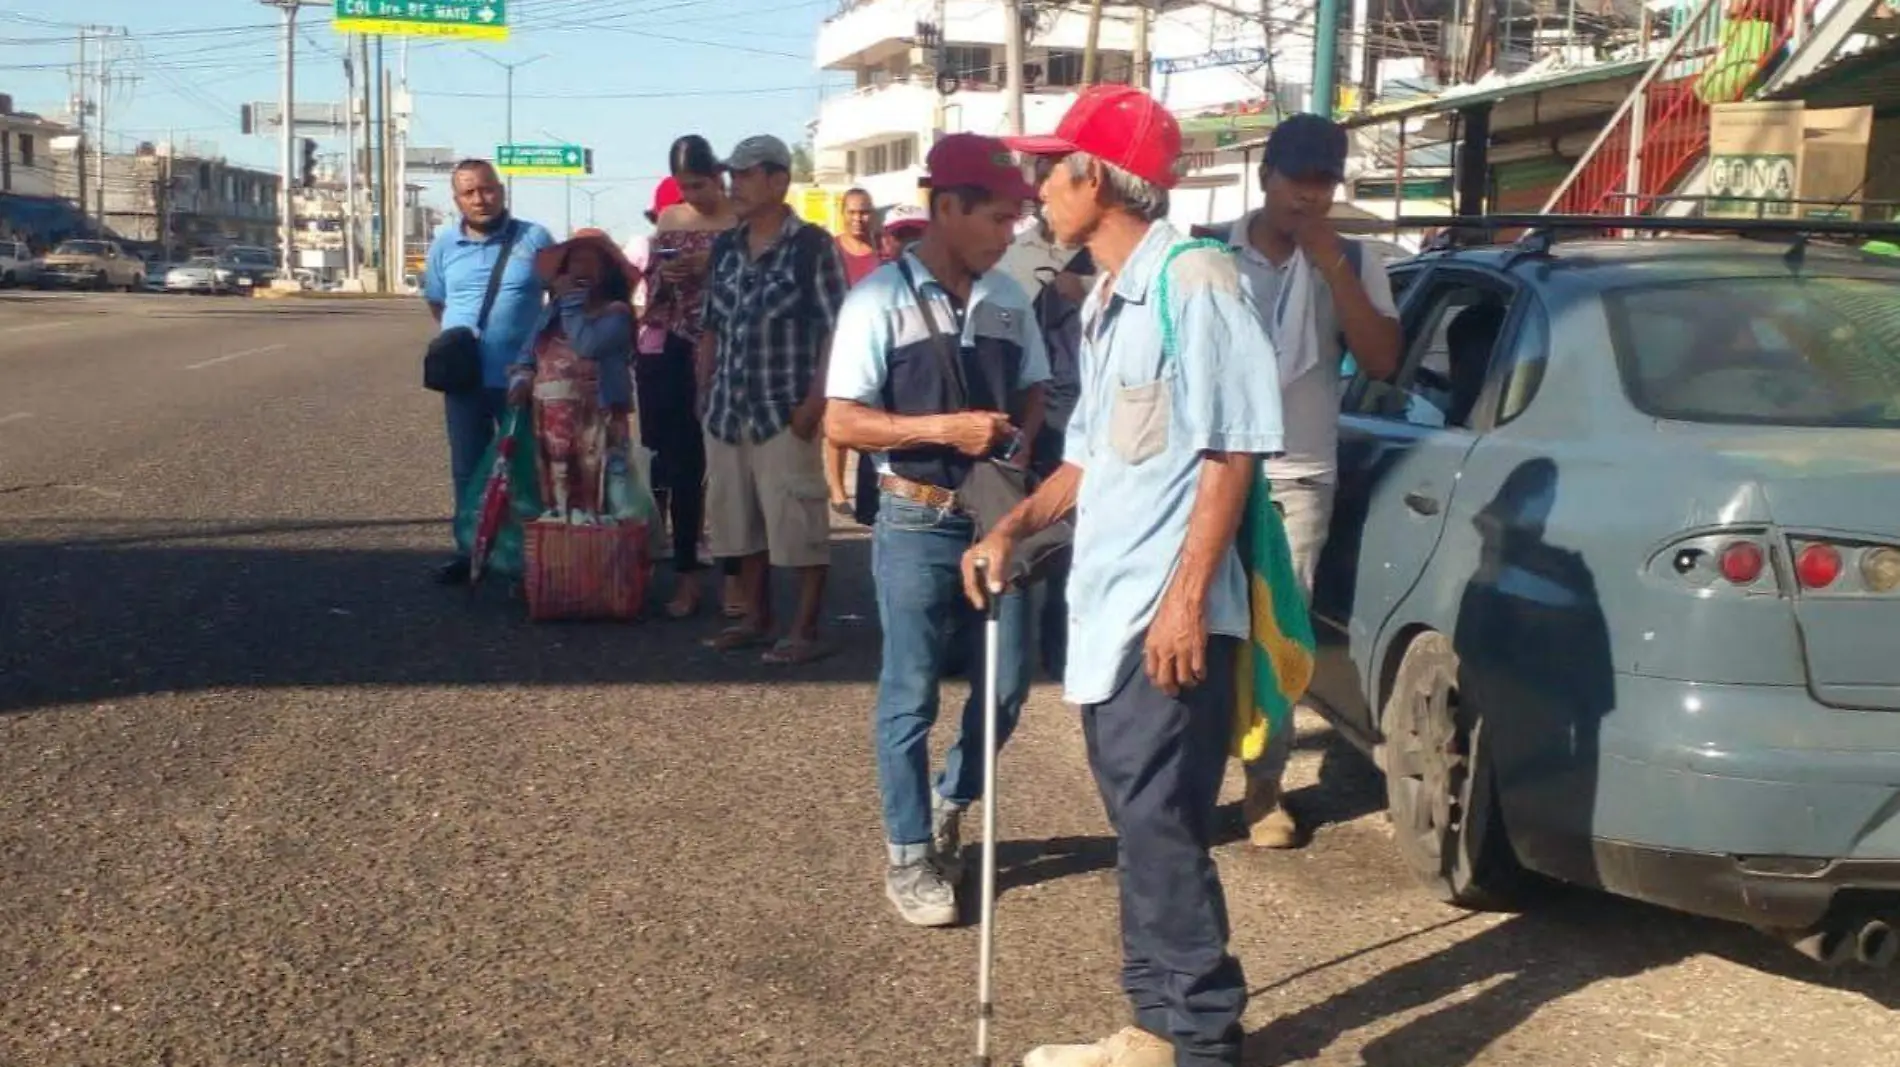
(623, 77)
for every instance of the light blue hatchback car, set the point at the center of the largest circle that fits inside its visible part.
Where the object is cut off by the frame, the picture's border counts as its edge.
(1612, 592)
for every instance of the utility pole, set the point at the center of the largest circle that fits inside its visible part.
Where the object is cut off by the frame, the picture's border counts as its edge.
(366, 254)
(79, 113)
(1142, 61)
(1325, 58)
(287, 136)
(380, 173)
(508, 136)
(99, 146)
(165, 216)
(392, 196)
(1013, 64)
(1089, 48)
(401, 166)
(593, 195)
(349, 157)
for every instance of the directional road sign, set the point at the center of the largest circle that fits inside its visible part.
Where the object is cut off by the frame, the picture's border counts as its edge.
(481, 19)
(541, 159)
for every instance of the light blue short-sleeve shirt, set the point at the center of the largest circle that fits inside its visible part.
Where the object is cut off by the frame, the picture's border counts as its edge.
(457, 274)
(1140, 429)
(881, 319)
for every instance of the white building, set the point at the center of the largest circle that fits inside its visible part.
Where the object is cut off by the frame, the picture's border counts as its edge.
(1213, 68)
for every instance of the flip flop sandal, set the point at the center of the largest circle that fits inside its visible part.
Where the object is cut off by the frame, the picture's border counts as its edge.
(791, 652)
(735, 638)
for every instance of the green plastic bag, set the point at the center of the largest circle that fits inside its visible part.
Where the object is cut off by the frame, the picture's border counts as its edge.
(1277, 665)
(627, 490)
(524, 498)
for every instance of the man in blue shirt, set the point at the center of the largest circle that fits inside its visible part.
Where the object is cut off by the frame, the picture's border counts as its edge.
(455, 281)
(1180, 401)
(892, 394)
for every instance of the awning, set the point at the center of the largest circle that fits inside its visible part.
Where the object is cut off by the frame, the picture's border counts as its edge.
(1869, 77)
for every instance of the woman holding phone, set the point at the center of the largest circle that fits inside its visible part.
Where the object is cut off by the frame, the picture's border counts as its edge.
(679, 258)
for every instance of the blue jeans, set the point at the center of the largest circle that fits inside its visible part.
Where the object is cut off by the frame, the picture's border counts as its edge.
(917, 563)
(473, 419)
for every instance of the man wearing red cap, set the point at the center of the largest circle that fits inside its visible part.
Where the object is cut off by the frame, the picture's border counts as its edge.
(905, 337)
(1180, 401)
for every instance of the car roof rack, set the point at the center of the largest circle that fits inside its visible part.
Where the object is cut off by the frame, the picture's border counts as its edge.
(1542, 231)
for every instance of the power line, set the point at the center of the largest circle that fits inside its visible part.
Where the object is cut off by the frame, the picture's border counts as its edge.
(655, 94)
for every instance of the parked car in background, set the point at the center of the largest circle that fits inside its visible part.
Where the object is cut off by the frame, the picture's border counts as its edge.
(17, 265)
(200, 275)
(90, 264)
(1613, 580)
(251, 268)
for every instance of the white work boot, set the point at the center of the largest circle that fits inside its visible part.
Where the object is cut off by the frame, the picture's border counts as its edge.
(1130, 1048)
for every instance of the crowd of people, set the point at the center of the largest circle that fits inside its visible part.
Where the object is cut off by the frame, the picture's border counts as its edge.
(1140, 383)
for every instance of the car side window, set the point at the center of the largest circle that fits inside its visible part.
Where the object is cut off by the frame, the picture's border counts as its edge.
(1528, 356)
(1349, 391)
(1451, 332)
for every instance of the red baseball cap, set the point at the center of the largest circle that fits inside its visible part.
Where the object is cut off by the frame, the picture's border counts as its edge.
(1116, 124)
(664, 196)
(971, 159)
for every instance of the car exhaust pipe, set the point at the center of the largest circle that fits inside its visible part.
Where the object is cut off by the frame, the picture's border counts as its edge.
(1876, 944)
(1829, 946)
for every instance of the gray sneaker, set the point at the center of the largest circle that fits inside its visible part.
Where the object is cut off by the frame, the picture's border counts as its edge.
(921, 894)
(946, 842)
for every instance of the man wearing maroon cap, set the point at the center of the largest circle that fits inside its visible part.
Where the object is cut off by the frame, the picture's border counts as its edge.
(905, 336)
(1179, 402)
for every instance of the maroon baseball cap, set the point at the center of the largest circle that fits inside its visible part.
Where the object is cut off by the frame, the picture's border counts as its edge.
(1116, 124)
(976, 161)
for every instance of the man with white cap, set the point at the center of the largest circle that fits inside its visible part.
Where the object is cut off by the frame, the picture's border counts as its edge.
(772, 302)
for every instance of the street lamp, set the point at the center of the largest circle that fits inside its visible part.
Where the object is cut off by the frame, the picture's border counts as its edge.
(593, 195)
(569, 180)
(510, 134)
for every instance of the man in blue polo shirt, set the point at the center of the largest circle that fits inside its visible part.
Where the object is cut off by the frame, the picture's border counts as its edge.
(460, 262)
(891, 394)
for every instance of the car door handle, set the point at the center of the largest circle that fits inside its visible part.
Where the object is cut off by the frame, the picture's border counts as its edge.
(1422, 504)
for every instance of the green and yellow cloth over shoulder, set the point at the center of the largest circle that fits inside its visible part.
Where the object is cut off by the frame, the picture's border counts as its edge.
(1277, 666)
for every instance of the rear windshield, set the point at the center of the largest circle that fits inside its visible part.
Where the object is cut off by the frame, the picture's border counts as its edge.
(1790, 351)
(80, 248)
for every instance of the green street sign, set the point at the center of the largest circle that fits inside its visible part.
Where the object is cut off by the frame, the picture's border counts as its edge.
(485, 20)
(542, 159)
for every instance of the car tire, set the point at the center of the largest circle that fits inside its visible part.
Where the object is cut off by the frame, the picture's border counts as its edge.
(102, 282)
(1441, 792)
(8, 281)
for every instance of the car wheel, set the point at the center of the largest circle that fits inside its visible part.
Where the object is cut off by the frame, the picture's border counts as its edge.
(101, 282)
(1440, 789)
(8, 280)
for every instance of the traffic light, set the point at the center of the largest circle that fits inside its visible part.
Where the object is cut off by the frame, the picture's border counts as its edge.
(309, 172)
(588, 157)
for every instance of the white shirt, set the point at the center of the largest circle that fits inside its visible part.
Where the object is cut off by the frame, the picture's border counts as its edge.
(1027, 254)
(1309, 404)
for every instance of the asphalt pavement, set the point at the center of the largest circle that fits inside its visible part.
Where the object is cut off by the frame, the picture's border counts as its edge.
(269, 796)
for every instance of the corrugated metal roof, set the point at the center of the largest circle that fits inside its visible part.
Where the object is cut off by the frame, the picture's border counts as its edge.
(1870, 76)
(1503, 89)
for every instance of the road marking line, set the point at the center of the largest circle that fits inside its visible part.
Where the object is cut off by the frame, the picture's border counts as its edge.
(15, 417)
(235, 355)
(41, 326)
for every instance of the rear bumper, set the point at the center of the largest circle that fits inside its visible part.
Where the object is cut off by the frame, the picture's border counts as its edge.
(1751, 803)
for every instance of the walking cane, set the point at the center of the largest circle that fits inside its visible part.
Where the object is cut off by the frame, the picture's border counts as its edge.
(986, 935)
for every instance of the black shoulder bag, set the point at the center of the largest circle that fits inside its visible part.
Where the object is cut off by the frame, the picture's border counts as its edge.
(453, 362)
(992, 489)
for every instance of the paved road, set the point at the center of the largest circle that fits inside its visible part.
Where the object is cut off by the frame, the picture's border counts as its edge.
(271, 798)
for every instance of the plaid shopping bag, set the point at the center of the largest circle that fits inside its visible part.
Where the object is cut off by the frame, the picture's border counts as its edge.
(586, 572)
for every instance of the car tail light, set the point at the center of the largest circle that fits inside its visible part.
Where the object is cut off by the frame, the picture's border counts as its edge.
(1880, 569)
(1742, 562)
(1840, 567)
(1818, 565)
